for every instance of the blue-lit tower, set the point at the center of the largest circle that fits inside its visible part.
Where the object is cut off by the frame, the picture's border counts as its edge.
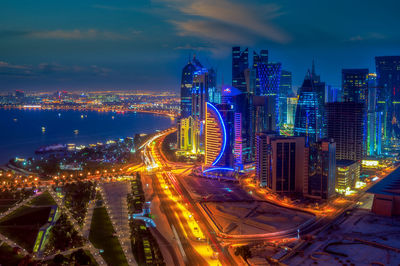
(285, 91)
(269, 75)
(374, 119)
(308, 113)
(186, 86)
(388, 85)
(240, 62)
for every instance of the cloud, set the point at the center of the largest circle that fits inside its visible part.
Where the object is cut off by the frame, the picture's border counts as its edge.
(211, 31)
(4, 64)
(367, 37)
(51, 69)
(77, 34)
(236, 17)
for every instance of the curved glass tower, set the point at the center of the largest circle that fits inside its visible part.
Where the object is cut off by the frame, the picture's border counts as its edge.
(308, 113)
(216, 135)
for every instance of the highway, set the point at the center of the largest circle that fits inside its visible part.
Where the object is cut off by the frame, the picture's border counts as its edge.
(179, 211)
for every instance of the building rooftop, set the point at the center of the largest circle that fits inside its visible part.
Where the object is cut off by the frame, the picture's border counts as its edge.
(344, 162)
(390, 185)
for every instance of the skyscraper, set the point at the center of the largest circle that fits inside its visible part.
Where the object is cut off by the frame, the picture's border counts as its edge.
(291, 110)
(388, 84)
(280, 162)
(308, 113)
(347, 174)
(240, 62)
(199, 93)
(216, 135)
(355, 85)
(334, 94)
(258, 60)
(186, 86)
(242, 106)
(189, 136)
(285, 90)
(321, 170)
(261, 58)
(345, 121)
(269, 76)
(374, 119)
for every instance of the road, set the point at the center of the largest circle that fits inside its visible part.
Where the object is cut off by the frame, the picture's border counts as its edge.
(178, 209)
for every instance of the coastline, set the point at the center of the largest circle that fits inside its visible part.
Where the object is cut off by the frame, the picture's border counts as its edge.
(24, 133)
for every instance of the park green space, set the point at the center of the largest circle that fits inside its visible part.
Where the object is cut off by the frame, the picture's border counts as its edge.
(102, 236)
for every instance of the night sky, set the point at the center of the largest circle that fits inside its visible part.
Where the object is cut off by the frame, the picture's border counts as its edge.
(142, 44)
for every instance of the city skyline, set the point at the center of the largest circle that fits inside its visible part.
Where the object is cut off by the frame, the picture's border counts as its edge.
(143, 46)
(199, 132)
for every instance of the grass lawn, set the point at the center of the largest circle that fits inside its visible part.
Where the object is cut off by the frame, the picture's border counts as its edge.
(8, 257)
(68, 257)
(23, 224)
(44, 199)
(101, 236)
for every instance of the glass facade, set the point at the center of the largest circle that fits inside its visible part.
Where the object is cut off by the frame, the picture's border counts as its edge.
(308, 114)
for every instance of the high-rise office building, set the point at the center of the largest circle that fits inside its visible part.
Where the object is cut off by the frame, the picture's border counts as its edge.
(319, 86)
(320, 89)
(334, 94)
(355, 89)
(355, 85)
(216, 136)
(186, 86)
(374, 119)
(241, 103)
(258, 60)
(269, 76)
(308, 113)
(285, 90)
(240, 62)
(321, 170)
(291, 110)
(189, 136)
(199, 93)
(345, 125)
(388, 84)
(347, 174)
(280, 162)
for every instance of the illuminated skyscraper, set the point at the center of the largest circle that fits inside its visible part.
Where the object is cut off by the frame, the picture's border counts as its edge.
(285, 90)
(189, 135)
(347, 174)
(269, 76)
(186, 86)
(345, 126)
(374, 119)
(321, 170)
(241, 105)
(291, 110)
(215, 135)
(319, 87)
(308, 114)
(258, 60)
(334, 94)
(355, 85)
(199, 93)
(388, 84)
(240, 62)
(281, 164)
